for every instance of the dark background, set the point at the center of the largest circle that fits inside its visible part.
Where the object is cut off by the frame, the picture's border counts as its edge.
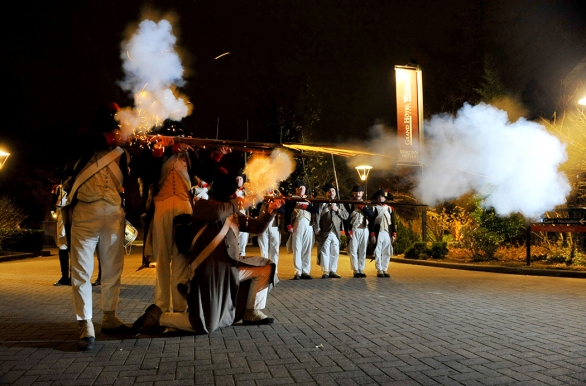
(61, 59)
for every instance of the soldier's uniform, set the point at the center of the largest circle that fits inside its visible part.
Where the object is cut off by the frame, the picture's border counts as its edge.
(357, 232)
(241, 192)
(384, 232)
(327, 226)
(168, 172)
(269, 241)
(301, 238)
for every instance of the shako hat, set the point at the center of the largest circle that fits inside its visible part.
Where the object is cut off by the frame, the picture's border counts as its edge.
(382, 192)
(103, 119)
(224, 184)
(299, 183)
(328, 186)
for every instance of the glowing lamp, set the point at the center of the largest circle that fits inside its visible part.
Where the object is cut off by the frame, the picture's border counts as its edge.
(363, 171)
(3, 158)
(582, 101)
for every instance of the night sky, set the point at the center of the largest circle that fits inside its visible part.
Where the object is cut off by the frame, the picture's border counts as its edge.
(61, 59)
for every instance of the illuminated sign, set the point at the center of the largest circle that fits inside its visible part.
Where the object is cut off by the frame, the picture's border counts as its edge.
(409, 114)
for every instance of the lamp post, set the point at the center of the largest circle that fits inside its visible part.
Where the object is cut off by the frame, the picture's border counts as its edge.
(3, 158)
(363, 171)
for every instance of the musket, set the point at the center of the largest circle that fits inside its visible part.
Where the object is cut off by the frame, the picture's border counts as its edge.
(337, 201)
(244, 146)
(258, 147)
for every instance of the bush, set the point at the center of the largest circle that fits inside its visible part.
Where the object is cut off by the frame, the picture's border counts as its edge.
(11, 215)
(22, 240)
(417, 251)
(420, 251)
(439, 250)
(406, 237)
(481, 243)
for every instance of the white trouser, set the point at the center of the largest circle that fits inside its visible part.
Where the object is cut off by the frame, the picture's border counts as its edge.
(242, 242)
(259, 285)
(171, 266)
(96, 227)
(301, 245)
(357, 248)
(269, 242)
(383, 251)
(60, 236)
(257, 296)
(330, 252)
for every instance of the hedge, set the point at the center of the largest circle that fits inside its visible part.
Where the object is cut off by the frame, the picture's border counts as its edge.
(21, 240)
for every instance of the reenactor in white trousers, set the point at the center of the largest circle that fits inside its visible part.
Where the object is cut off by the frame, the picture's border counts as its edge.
(383, 232)
(327, 226)
(301, 238)
(357, 231)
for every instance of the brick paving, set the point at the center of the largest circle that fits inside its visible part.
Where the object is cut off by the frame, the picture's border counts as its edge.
(423, 326)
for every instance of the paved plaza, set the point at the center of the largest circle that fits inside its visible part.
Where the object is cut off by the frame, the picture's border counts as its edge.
(423, 326)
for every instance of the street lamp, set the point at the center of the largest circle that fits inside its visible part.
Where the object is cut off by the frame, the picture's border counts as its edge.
(363, 171)
(3, 158)
(582, 101)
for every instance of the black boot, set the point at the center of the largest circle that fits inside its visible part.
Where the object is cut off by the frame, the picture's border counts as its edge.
(99, 279)
(64, 263)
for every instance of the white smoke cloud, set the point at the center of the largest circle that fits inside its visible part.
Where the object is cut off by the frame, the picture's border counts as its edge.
(513, 165)
(152, 70)
(383, 142)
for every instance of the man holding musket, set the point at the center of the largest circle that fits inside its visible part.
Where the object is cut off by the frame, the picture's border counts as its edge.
(166, 172)
(94, 184)
(383, 232)
(298, 220)
(217, 269)
(357, 231)
(327, 227)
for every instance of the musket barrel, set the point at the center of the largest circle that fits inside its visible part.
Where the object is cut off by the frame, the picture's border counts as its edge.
(336, 201)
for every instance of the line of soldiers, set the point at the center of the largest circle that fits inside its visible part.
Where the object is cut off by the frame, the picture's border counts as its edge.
(323, 223)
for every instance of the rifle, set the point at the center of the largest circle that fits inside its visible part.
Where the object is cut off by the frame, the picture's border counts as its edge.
(337, 201)
(256, 147)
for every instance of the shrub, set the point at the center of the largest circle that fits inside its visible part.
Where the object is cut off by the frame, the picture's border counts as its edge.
(481, 243)
(22, 240)
(10, 214)
(419, 250)
(489, 231)
(406, 237)
(439, 250)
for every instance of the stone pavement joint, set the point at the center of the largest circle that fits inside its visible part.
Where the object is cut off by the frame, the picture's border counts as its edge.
(426, 325)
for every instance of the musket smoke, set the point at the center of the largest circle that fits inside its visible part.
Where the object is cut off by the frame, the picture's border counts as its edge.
(152, 70)
(514, 166)
(382, 140)
(264, 173)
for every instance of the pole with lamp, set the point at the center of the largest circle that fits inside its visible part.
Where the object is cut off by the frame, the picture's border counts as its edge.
(363, 171)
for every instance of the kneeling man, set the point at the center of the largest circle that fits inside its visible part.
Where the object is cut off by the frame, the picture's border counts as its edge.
(217, 267)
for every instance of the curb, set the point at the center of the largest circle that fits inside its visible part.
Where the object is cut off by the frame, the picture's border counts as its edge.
(495, 269)
(24, 255)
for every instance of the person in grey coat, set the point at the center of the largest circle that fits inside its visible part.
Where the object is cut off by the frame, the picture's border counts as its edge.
(327, 226)
(217, 294)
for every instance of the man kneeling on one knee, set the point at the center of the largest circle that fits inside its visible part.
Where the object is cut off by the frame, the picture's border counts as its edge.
(217, 267)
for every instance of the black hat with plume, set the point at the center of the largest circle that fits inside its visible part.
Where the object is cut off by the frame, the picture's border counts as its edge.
(224, 184)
